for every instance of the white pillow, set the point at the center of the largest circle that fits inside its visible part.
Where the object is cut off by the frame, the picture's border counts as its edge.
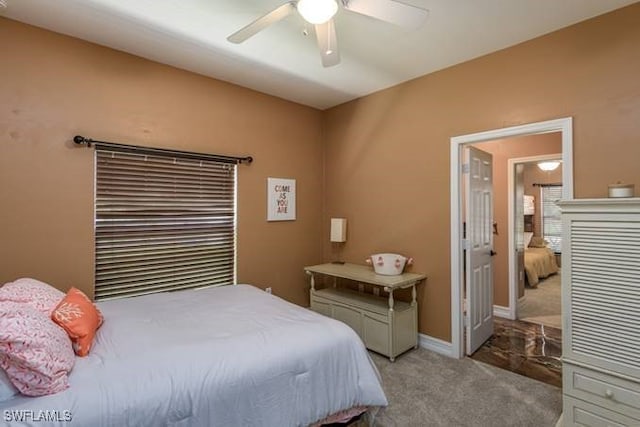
(527, 238)
(7, 389)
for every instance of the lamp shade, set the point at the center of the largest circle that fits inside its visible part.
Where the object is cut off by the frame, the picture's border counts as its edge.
(338, 229)
(529, 205)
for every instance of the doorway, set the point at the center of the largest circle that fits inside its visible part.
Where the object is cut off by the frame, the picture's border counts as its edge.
(564, 126)
(535, 236)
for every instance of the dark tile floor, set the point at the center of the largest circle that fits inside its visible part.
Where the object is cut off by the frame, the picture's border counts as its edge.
(525, 348)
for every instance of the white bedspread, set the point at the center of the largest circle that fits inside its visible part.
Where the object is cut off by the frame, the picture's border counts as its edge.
(226, 356)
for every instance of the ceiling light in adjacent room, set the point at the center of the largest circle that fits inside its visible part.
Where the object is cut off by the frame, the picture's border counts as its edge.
(549, 166)
(317, 11)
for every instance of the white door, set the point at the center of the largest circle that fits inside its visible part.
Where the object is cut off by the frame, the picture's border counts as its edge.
(479, 253)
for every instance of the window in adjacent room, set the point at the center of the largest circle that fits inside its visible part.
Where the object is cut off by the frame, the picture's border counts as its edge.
(551, 220)
(162, 223)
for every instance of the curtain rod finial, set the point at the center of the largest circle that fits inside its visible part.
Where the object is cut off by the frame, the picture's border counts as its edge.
(78, 139)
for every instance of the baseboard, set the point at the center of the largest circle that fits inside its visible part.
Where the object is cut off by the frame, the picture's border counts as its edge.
(559, 423)
(435, 344)
(501, 311)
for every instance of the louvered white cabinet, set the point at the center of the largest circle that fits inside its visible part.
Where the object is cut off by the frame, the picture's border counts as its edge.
(601, 306)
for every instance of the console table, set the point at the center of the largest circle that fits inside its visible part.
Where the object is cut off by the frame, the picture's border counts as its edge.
(386, 326)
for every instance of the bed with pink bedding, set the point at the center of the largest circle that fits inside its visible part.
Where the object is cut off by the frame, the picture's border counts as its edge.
(226, 356)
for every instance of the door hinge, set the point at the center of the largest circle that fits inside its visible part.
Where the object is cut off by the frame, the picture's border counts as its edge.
(465, 243)
(465, 168)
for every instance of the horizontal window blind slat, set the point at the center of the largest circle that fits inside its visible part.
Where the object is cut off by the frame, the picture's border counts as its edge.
(107, 247)
(106, 252)
(161, 235)
(146, 169)
(166, 205)
(164, 208)
(125, 246)
(106, 269)
(174, 273)
(122, 258)
(133, 291)
(165, 220)
(160, 161)
(194, 280)
(194, 175)
(140, 231)
(162, 223)
(155, 192)
(128, 180)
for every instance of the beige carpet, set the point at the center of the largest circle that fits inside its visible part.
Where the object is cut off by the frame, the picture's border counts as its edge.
(543, 305)
(427, 389)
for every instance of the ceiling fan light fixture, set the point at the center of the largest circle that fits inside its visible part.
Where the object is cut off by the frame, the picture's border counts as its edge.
(549, 165)
(317, 11)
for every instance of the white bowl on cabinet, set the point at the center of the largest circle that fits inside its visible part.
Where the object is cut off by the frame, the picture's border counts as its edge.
(388, 264)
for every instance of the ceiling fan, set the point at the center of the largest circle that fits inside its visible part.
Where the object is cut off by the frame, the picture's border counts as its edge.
(320, 13)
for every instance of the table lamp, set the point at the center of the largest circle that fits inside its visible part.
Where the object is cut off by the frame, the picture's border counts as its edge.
(338, 233)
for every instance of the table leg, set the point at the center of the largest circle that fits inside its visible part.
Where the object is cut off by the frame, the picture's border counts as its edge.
(313, 282)
(391, 301)
(415, 312)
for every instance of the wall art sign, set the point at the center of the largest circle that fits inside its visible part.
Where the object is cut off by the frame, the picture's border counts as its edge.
(281, 199)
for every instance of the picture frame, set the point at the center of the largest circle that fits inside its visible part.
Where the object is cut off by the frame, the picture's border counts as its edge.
(281, 199)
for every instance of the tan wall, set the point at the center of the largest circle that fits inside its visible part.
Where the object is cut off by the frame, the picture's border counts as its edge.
(54, 87)
(534, 175)
(387, 154)
(503, 150)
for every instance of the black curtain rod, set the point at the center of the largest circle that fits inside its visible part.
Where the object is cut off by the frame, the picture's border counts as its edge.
(552, 184)
(81, 140)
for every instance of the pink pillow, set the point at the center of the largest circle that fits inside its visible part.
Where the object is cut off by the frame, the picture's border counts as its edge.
(35, 293)
(35, 353)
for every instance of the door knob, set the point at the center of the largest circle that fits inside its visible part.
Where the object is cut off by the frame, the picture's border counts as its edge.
(492, 252)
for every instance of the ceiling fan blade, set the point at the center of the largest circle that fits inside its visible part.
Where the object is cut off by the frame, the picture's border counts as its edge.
(262, 23)
(328, 43)
(395, 12)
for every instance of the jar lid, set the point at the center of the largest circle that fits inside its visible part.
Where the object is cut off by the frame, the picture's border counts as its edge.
(619, 185)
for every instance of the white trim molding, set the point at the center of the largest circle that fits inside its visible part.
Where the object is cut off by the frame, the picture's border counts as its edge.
(435, 344)
(559, 423)
(502, 311)
(563, 125)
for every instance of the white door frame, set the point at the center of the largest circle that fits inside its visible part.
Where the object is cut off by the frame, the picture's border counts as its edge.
(563, 125)
(513, 270)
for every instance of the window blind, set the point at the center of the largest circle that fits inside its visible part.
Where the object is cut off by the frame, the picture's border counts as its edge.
(162, 223)
(551, 219)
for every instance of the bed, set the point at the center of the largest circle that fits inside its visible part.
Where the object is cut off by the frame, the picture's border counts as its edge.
(224, 356)
(539, 263)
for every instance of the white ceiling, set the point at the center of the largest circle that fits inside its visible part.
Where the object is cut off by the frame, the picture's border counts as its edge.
(281, 61)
